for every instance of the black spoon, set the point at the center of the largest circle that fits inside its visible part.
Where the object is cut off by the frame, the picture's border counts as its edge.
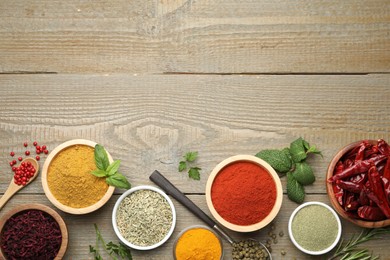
(170, 189)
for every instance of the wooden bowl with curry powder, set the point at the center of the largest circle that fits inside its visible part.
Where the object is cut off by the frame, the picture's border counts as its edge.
(67, 180)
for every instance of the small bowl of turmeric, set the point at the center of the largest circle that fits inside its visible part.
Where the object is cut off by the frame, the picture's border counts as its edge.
(67, 179)
(198, 242)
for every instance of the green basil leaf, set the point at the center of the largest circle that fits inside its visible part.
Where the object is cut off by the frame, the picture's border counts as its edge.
(193, 173)
(182, 166)
(99, 173)
(101, 158)
(113, 167)
(191, 156)
(118, 180)
(297, 150)
(278, 159)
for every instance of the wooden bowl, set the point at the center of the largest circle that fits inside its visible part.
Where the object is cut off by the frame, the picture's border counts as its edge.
(257, 161)
(332, 198)
(49, 194)
(46, 209)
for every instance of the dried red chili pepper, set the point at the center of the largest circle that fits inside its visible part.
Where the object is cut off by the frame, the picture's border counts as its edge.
(383, 147)
(386, 187)
(371, 213)
(359, 179)
(338, 192)
(360, 153)
(358, 167)
(377, 193)
(386, 171)
(363, 199)
(350, 186)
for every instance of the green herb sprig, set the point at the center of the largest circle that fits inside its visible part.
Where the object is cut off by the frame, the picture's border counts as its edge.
(193, 171)
(115, 251)
(291, 161)
(348, 250)
(107, 170)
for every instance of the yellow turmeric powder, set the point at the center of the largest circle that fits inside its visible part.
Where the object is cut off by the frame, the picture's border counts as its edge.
(198, 244)
(70, 180)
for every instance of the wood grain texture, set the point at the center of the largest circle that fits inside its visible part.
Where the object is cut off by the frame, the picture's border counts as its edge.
(82, 234)
(149, 122)
(203, 36)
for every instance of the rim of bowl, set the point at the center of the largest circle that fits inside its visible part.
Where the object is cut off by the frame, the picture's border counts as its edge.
(309, 251)
(261, 163)
(36, 206)
(194, 227)
(51, 197)
(124, 195)
(332, 198)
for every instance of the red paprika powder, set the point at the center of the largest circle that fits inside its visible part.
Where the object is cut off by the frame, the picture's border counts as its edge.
(243, 193)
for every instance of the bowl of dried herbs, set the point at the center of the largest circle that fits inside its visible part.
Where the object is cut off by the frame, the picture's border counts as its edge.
(144, 217)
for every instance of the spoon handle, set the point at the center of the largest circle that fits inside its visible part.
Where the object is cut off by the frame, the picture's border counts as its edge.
(12, 189)
(169, 188)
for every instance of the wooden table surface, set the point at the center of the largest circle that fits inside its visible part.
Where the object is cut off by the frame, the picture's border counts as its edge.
(152, 80)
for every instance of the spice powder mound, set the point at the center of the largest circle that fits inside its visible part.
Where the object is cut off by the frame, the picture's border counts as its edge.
(70, 180)
(314, 227)
(144, 218)
(243, 193)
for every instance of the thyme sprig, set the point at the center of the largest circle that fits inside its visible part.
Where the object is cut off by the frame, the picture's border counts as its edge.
(115, 251)
(348, 250)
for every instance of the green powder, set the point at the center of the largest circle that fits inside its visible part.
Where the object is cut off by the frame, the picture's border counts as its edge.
(314, 228)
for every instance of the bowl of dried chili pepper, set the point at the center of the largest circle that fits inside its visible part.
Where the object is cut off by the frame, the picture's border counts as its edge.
(358, 183)
(32, 231)
(244, 193)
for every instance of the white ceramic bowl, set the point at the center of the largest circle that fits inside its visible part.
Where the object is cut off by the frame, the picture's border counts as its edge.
(127, 193)
(298, 245)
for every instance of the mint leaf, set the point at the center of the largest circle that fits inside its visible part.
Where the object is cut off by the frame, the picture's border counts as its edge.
(313, 149)
(295, 190)
(193, 173)
(118, 180)
(99, 173)
(303, 173)
(101, 158)
(191, 156)
(113, 167)
(182, 166)
(278, 159)
(297, 150)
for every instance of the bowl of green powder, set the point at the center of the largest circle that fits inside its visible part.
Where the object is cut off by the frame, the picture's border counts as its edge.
(144, 217)
(314, 228)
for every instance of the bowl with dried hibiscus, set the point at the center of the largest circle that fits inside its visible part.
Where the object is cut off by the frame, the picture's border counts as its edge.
(358, 183)
(32, 231)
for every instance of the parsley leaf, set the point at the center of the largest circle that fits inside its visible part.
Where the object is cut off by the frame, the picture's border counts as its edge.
(191, 156)
(193, 173)
(182, 166)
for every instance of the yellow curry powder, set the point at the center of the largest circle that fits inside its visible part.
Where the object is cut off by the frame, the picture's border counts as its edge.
(198, 244)
(70, 180)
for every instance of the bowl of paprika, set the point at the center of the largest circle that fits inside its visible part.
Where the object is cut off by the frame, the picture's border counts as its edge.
(358, 183)
(244, 193)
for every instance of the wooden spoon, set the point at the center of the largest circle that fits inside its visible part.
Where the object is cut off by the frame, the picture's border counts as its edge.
(13, 187)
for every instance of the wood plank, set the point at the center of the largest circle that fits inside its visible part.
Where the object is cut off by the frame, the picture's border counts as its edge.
(204, 36)
(78, 244)
(149, 122)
